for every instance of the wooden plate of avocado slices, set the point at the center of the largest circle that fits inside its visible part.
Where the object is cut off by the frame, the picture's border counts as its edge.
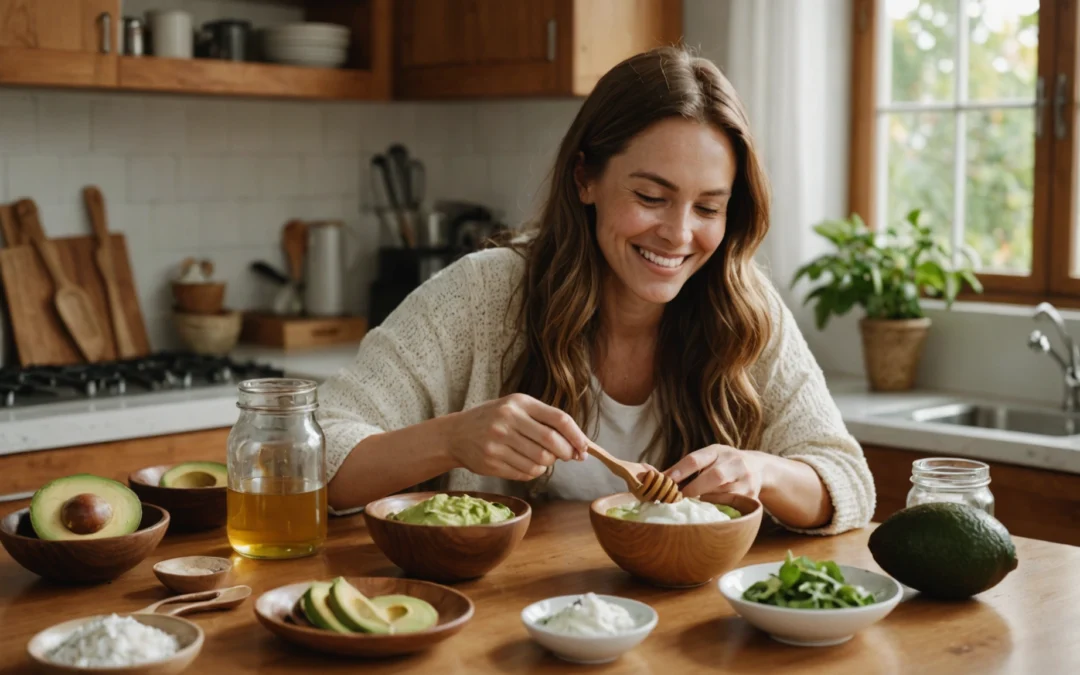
(194, 493)
(364, 616)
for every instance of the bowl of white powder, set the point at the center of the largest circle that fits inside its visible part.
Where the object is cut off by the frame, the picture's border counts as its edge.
(129, 644)
(589, 628)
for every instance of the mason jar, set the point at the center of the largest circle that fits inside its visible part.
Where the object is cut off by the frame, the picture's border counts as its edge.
(277, 471)
(946, 479)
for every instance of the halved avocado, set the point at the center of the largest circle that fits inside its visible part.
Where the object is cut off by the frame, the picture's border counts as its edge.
(407, 614)
(84, 506)
(195, 475)
(318, 611)
(353, 609)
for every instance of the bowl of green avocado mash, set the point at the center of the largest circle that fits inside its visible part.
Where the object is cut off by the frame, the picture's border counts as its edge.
(447, 536)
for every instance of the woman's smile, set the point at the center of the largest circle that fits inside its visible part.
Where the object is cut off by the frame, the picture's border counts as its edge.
(664, 264)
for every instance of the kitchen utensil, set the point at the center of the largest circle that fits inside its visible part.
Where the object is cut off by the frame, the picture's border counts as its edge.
(391, 181)
(189, 636)
(409, 176)
(73, 304)
(211, 334)
(82, 560)
(171, 34)
(675, 556)
(287, 301)
(273, 608)
(227, 39)
(95, 205)
(301, 332)
(445, 553)
(192, 574)
(324, 290)
(645, 482)
(9, 226)
(811, 627)
(40, 336)
(391, 233)
(133, 30)
(436, 231)
(190, 509)
(294, 241)
(588, 649)
(198, 601)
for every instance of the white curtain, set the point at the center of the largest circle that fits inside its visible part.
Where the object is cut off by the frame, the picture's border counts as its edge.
(788, 59)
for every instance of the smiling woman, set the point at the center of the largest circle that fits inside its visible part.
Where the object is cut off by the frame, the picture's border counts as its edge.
(631, 313)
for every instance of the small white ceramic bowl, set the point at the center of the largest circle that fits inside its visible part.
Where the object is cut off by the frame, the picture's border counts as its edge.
(582, 648)
(810, 627)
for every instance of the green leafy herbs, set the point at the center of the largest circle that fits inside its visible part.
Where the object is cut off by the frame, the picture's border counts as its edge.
(805, 584)
(884, 272)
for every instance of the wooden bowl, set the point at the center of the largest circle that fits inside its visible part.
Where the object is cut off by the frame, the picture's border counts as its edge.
(193, 573)
(86, 560)
(190, 509)
(199, 298)
(214, 334)
(454, 608)
(445, 553)
(189, 635)
(675, 556)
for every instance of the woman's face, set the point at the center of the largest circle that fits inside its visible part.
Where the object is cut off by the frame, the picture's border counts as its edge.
(661, 206)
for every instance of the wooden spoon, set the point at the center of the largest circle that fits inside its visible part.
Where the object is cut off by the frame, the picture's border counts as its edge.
(294, 241)
(95, 205)
(206, 601)
(645, 482)
(73, 304)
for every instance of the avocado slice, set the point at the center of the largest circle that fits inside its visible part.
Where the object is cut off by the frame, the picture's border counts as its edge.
(318, 611)
(195, 475)
(84, 506)
(407, 614)
(945, 550)
(353, 609)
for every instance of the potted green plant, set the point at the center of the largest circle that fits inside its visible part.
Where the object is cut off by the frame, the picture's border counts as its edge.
(887, 273)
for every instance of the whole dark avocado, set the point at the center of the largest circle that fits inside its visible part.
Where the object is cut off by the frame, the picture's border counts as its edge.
(946, 551)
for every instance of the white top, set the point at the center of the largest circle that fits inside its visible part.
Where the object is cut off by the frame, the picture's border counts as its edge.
(442, 349)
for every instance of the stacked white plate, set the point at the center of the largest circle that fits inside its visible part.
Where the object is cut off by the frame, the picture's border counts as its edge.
(323, 45)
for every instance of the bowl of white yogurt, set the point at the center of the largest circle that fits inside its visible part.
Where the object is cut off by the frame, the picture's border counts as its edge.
(589, 628)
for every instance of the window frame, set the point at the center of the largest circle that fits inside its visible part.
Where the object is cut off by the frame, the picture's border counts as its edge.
(1053, 220)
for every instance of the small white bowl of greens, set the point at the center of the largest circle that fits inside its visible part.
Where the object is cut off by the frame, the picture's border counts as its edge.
(807, 603)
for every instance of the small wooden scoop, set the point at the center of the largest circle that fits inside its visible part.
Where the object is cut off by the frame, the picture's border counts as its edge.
(206, 601)
(644, 482)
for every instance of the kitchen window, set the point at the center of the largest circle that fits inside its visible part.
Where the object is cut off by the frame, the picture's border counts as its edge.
(967, 110)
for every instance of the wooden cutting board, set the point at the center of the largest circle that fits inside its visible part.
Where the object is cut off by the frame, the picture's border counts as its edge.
(40, 337)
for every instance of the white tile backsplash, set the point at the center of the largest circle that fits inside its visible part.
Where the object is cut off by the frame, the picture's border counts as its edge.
(63, 124)
(33, 175)
(18, 124)
(201, 178)
(152, 179)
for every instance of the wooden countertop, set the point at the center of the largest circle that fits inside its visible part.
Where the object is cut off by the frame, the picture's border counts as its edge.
(1027, 624)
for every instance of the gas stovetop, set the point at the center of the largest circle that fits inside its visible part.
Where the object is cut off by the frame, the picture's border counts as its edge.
(164, 371)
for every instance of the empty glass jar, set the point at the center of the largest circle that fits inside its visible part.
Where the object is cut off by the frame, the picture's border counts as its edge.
(277, 471)
(945, 479)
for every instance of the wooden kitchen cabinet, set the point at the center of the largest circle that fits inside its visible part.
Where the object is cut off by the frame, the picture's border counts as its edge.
(1034, 503)
(493, 48)
(60, 43)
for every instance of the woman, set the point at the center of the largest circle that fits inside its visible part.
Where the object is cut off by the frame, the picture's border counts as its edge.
(633, 314)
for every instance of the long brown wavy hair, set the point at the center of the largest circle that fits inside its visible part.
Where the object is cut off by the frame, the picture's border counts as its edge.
(718, 324)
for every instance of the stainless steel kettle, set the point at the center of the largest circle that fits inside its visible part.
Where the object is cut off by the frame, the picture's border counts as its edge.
(324, 286)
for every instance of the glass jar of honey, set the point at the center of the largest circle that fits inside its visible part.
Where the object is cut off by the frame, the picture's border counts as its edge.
(277, 471)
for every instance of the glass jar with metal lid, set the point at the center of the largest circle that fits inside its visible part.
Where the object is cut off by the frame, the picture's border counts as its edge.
(277, 471)
(948, 479)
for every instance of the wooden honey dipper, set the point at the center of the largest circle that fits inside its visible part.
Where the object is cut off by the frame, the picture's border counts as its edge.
(645, 482)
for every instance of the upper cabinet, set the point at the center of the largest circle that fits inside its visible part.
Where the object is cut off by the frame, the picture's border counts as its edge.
(58, 42)
(478, 48)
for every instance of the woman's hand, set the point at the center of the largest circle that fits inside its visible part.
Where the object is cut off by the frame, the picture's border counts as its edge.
(515, 437)
(723, 470)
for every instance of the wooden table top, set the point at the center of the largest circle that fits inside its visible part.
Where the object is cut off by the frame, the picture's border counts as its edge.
(1030, 623)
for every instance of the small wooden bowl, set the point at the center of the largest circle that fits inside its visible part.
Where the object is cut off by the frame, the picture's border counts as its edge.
(193, 574)
(189, 635)
(199, 298)
(445, 553)
(675, 556)
(214, 334)
(190, 509)
(454, 608)
(86, 560)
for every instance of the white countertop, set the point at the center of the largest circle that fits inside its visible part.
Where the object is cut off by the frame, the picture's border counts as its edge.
(865, 413)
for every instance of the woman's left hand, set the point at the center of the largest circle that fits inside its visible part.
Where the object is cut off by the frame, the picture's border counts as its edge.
(723, 470)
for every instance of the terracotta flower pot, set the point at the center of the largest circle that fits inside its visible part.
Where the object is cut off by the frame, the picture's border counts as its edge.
(891, 351)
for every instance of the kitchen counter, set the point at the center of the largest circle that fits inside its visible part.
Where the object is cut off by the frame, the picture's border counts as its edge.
(1020, 626)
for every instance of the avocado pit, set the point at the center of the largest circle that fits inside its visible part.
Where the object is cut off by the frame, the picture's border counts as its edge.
(86, 513)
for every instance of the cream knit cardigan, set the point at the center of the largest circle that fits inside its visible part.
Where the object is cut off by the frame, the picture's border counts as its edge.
(441, 351)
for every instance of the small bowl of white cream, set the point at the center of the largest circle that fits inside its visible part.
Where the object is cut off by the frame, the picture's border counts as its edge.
(589, 628)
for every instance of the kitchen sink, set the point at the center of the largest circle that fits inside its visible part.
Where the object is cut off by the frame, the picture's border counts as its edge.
(1003, 417)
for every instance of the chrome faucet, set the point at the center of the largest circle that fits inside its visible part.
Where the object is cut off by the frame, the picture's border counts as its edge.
(1070, 365)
